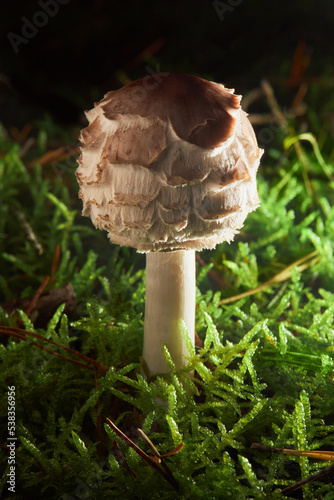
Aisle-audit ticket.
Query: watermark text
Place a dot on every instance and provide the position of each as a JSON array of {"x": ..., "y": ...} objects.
[
  {"x": 30, "y": 27},
  {"x": 11, "y": 439}
]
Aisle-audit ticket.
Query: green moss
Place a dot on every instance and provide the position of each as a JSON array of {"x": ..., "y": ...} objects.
[{"x": 264, "y": 373}]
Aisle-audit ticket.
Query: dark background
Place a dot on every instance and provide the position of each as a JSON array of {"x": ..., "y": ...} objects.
[{"x": 87, "y": 48}]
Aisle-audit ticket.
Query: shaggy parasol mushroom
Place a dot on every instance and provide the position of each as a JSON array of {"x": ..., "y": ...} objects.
[{"x": 168, "y": 166}]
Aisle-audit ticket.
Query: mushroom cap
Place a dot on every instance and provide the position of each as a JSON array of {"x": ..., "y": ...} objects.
[{"x": 169, "y": 162}]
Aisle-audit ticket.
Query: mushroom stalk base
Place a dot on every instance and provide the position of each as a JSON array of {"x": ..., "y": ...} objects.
[{"x": 170, "y": 297}]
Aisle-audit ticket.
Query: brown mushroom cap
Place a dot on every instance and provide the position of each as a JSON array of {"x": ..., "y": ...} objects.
[{"x": 169, "y": 163}]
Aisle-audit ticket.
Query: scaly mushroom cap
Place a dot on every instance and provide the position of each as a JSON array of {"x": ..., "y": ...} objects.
[{"x": 169, "y": 163}]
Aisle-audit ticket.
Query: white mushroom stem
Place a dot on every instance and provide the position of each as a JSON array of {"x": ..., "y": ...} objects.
[{"x": 170, "y": 297}]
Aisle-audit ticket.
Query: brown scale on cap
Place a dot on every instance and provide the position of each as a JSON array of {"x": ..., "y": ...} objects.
[
  {"x": 169, "y": 163},
  {"x": 206, "y": 116}
]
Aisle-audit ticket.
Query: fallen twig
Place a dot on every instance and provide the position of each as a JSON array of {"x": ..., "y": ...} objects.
[
  {"x": 318, "y": 454},
  {"x": 301, "y": 265},
  {"x": 37, "y": 296},
  {"x": 24, "y": 335},
  {"x": 156, "y": 461}
]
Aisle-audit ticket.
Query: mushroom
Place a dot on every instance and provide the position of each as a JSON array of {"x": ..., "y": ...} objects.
[{"x": 168, "y": 166}]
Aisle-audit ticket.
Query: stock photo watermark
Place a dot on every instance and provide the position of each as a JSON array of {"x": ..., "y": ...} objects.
[
  {"x": 31, "y": 27},
  {"x": 266, "y": 134},
  {"x": 223, "y": 8},
  {"x": 150, "y": 82},
  {"x": 11, "y": 439},
  {"x": 92, "y": 483}
]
